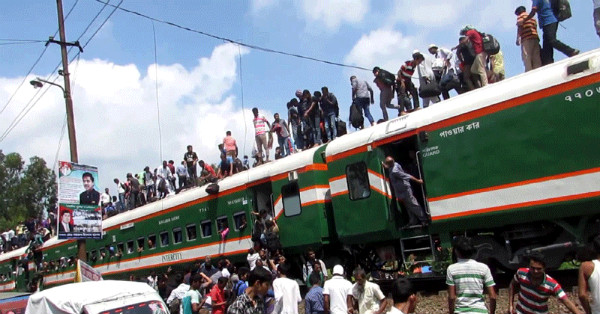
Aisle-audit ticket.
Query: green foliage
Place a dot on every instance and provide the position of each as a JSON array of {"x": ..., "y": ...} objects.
[{"x": 24, "y": 190}]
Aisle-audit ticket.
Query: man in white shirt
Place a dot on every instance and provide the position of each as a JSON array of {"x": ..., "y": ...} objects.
[
  {"x": 368, "y": 294},
  {"x": 286, "y": 291},
  {"x": 441, "y": 63},
  {"x": 337, "y": 292},
  {"x": 404, "y": 297},
  {"x": 178, "y": 292},
  {"x": 105, "y": 198}
]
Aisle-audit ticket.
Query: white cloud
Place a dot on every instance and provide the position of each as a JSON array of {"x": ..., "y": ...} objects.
[
  {"x": 116, "y": 114},
  {"x": 333, "y": 13},
  {"x": 256, "y": 6},
  {"x": 430, "y": 13},
  {"x": 385, "y": 48}
]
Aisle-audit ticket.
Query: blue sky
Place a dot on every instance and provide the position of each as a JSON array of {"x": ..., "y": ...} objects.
[{"x": 199, "y": 94}]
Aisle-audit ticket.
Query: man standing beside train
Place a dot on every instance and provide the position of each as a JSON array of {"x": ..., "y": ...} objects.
[
  {"x": 535, "y": 288},
  {"x": 466, "y": 280},
  {"x": 589, "y": 282},
  {"x": 400, "y": 181}
]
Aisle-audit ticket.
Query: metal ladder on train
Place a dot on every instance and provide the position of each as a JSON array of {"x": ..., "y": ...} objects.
[{"x": 420, "y": 246}]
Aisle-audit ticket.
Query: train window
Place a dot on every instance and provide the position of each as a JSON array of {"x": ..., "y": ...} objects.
[
  {"x": 222, "y": 224},
  {"x": 130, "y": 247},
  {"x": 164, "y": 238},
  {"x": 140, "y": 244},
  {"x": 177, "y": 235},
  {"x": 120, "y": 249},
  {"x": 190, "y": 231},
  {"x": 240, "y": 221},
  {"x": 94, "y": 256},
  {"x": 206, "y": 228},
  {"x": 151, "y": 241},
  {"x": 291, "y": 199},
  {"x": 357, "y": 179},
  {"x": 102, "y": 253}
]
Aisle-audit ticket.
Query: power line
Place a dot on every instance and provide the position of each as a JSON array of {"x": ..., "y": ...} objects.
[
  {"x": 255, "y": 47},
  {"x": 30, "y": 105},
  {"x": 34, "y": 64}
]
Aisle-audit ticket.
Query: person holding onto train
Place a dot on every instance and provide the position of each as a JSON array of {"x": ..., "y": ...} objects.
[
  {"x": 403, "y": 296},
  {"x": 535, "y": 288},
  {"x": 368, "y": 295},
  {"x": 466, "y": 280},
  {"x": 400, "y": 181},
  {"x": 589, "y": 281}
]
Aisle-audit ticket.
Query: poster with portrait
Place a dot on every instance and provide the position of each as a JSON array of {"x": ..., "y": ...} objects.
[{"x": 79, "y": 214}]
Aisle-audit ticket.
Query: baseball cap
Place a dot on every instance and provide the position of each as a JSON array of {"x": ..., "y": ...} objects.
[{"x": 338, "y": 270}]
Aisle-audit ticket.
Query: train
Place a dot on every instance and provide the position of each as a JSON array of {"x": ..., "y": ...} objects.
[{"x": 514, "y": 165}]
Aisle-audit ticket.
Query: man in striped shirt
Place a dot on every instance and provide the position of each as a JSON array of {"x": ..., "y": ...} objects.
[
  {"x": 535, "y": 288},
  {"x": 528, "y": 38},
  {"x": 466, "y": 280},
  {"x": 404, "y": 81}
]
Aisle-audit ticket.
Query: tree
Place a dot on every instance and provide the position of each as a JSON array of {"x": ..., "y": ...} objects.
[{"x": 25, "y": 191}]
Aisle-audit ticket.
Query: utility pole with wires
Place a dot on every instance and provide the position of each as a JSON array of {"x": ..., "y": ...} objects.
[{"x": 81, "y": 243}]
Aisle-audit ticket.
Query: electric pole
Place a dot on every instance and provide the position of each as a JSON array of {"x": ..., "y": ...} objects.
[{"x": 81, "y": 243}]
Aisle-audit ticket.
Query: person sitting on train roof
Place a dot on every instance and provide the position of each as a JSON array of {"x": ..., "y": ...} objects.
[
  {"x": 208, "y": 173},
  {"x": 400, "y": 181},
  {"x": 225, "y": 168}
]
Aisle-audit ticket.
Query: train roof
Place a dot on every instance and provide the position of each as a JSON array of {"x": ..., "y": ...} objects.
[
  {"x": 510, "y": 88},
  {"x": 283, "y": 165}
]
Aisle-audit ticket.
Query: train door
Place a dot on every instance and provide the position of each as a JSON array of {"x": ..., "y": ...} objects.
[
  {"x": 406, "y": 153},
  {"x": 262, "y": 199}
]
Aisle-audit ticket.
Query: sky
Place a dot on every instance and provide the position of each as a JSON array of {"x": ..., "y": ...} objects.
[{"x": 142, "y": 90}]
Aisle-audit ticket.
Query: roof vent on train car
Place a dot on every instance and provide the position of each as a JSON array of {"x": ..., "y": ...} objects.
[
  {"x": 293, "y": 175},
  {"x": 578, "y": 67}
]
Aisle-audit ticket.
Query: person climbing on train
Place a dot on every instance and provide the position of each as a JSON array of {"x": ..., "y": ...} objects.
[{"x": 400, "y": 181}]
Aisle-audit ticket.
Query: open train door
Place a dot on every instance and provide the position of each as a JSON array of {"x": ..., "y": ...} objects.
[
  {"x": 262, "y": 198},
  {"x": 406, "y": 152}
]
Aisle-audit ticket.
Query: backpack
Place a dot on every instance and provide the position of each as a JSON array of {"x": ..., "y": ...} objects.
[
  {"x": 356, "y": 117},
  {"x": 212, "y": 189},
  {"x": 387, "y": 78},
  {"x": 174, "y": 306},
  {"x": 491, "y": 46},
  {"x": 273, "y": 243},
  {"x": 561, "y": 9}
]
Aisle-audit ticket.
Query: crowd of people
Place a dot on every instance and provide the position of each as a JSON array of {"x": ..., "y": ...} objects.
[
  {"x": 266, "y": 285},
  {"x": 31, "y": 232}
]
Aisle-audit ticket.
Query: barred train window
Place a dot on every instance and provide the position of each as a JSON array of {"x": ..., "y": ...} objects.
[
  {"x": 177, "y": 235},
  {"x": 190, "y": 230},
  {"x": 164, "y": 238},
  {"x": 206, "y": 228},
  {"x": 240, "y": 221},
  {"x": 357, "y": 179},
  {"x": 290, "y": 194}
]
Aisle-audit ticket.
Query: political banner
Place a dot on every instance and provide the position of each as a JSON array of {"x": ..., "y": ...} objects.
[
  {"x": 80, "y": 214},
  {"x": 85, "y": 272}
]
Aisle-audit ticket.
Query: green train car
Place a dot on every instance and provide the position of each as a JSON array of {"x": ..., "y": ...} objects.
[{"x": 514, "y": 165}]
